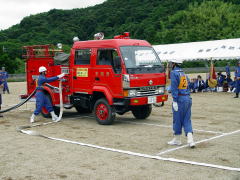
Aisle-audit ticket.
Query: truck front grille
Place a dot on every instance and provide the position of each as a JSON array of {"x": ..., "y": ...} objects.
[{"x": 148, "y": 91}]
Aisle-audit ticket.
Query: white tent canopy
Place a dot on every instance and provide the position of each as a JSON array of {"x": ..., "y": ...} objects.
[{"x": 205, "y": 50}]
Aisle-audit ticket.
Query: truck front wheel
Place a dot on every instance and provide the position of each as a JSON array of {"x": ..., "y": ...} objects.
[
  {"x": 104, "y": 113},
  {"x": 142, "y": 112}
]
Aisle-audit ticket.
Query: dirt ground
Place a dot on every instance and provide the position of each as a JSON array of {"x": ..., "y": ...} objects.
[{"x": 25, "y": 157}]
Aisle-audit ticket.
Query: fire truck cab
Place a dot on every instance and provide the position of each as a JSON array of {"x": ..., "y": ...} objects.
[{"x": 102, "y": 76}]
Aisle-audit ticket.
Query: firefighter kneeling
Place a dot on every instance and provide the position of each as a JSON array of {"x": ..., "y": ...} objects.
[{"x": 41, "y": 99}]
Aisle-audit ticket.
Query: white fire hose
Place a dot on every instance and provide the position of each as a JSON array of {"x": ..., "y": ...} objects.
[{"x": 61, "y": 101}]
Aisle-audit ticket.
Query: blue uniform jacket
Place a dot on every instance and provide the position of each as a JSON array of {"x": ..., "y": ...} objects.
[
  {"x": 5, "y": 75},
  {"x": 1, "y": 79},
  {"x": 237, "y": 75},
  {"x": 227, "y": 68},
  {"x": 237, "y": 72},
  {"x": 42, "y": 79},
  {"x": 220, "y": 80},
  {"x": 179, "y": 83}
]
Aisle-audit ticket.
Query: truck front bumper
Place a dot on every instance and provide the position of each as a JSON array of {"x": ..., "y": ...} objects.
[
  {"x": 138, "y": 101},
  {"x": 148, "y": 100}
]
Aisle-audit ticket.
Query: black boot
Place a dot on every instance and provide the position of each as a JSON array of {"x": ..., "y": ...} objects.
[
  {"x": 1, "y": 113},
  {"x": 237, "y": 94}
]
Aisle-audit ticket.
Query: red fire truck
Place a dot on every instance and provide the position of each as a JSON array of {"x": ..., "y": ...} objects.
[{"x": 102, "y": 76}]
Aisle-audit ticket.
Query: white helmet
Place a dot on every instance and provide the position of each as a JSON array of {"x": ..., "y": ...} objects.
[
  {"x": 42, "y": 69},
  {"x": 178, "y": 61}
]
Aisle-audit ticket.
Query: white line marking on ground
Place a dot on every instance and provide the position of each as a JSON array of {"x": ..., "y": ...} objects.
[
  {"x": 139, "y": 154},
  {"x": 29, "y": 132},
  {"x": 204, "y": 140},
  {"x": 148, "y": 124}
]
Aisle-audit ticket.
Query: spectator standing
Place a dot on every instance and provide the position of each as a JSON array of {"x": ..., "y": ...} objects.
[
  {"x": 227, "y": 68},
  {"x": 237, "y": 77},
  {"x": 1, "y": 90},
  {"x": 5, "y": 83}
]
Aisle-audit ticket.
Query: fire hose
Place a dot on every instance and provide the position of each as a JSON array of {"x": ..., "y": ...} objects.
[
  {"x": 31, "y": 95},
  {"x": 20, "y": 104},
  {"x": 61, "y": 101}
]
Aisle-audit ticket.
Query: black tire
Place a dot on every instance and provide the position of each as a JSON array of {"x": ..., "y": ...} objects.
[
  {"x": 47, "y": 114},
  {"x": 142, "y": 112},
  {"x": 103, "y": 112},
  {"x": 81, "y": 110}
]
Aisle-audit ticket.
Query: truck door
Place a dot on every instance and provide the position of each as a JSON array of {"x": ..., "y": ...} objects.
[
  {"x": 82, "y": 79},
  {"x": 105, "y": 74}
]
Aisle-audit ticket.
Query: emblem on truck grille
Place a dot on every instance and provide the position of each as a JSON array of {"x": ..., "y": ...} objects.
[{"x": 150, "y": 82}]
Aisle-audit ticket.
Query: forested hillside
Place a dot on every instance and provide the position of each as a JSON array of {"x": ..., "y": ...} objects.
[{"x": 158, "y": 21}]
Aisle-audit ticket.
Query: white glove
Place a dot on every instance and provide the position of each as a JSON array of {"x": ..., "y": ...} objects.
[
  {"x": 175, "y": 106},
  {"x": 61, "y": 75}
]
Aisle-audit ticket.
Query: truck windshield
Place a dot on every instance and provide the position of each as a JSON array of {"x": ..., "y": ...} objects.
[{"x": 141, "y": 59}]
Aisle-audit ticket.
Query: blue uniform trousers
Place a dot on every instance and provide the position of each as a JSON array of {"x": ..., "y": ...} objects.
[
  {"x": 182, "y": 117},
  {"x": 42, "y": 101},
  {"x": 5, "y": 87},
  {"x": 237, "y": 86}
]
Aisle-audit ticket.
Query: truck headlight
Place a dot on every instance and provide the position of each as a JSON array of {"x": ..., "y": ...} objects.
[
  {"x": 132, "y": 93},
  {"x": 161, "y": 90}
]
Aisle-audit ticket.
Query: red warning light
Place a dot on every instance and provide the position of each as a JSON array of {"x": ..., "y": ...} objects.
[{"x": 126, "y": 35}]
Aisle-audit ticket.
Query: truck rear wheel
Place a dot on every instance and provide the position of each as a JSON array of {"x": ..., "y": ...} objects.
[
  {"x": 104, "y": 113},
  {"x": 142, "y": 112}
]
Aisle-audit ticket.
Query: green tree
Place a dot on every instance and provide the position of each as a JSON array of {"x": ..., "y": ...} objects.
[{"x": 209, "y": 20}]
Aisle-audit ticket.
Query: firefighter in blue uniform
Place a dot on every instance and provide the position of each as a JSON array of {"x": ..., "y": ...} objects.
[
  {"x": 41, "y": 99},
  {"x": 227, "y": 68},
  {"x": 5, "y": 84},
  {"x": 181, "y": 106},
  {"x": 237, "y": 77},
  {"x": 1, "y": 90}
]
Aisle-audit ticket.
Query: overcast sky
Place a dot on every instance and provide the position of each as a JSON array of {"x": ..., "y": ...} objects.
[{"x": 13, "y": 11}]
